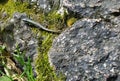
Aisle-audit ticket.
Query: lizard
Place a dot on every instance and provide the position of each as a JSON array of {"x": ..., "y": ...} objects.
[{"x": 38, "y": 25}]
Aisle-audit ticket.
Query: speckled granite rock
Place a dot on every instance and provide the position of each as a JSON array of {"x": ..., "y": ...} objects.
[
  {"x": 89, "y": 51},
  {"x": 39, "y": 4},
  {"x": 22, "y": 35},
  {"x": 107, "y": 10},
  {"x": 16, "y": 32},
  {"x": 93, "y": 8},
  {"x": 42, "y": 4}
]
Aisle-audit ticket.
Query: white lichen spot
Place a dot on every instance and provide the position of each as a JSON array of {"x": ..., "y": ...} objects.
[{"x": 105, "y": 65}]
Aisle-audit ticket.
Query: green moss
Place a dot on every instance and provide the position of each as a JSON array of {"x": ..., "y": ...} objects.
[
  {"x": 55, "y": 22},
  {"x": 11, "y": 7},
  {"x": 71, "y": 21},
  {"x": 45, "y": 72}
]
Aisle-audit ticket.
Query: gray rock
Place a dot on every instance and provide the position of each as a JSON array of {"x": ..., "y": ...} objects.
[
  {"x": 116, "y": 20},
  {"x": 39, "y": 4},
  {"x": 22, "y": 35},
  {"x": 16, "y": 32},
  {"x": 88, "y": 51},
  {"x": 93, "y": 8},
  {"x": 42, "y": 4}
]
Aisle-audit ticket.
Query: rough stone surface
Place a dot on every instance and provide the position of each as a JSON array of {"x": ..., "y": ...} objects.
[
  {"x": 42, "y": 4},
  {"x": 22, "y": 35},
  {"x": 107, "y": 10},
  {"x": 89, "y": 51},
  {"x": 93, "y": 8},
  {"x": 39, "y": 4},
  {"x": 16, "y": 32}
]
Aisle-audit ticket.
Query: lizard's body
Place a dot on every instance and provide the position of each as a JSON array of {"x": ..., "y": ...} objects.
[{"x": 38, "y": 25}]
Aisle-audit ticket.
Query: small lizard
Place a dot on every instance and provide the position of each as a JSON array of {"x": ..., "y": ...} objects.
[{"x": 39, "y": 25}]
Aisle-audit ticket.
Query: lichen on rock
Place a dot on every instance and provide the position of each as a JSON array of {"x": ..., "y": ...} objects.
[
  {"x": 89, "y": 51},
  {"x": 17, "y": 34}
]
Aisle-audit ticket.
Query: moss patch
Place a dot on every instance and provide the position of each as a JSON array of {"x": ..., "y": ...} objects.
[
  {"x": 71, "y": 21},
  {"x": 10, "y": 7},
  {"x": 45, "y": 72}
]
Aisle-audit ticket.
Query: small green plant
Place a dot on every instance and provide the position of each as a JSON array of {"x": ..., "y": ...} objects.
[
  {"x": 26, "y": 75},
  {"x": 3, "y": 76},
  {"x": 2, "y": 47},
  {"x": 27, "y": 71}
]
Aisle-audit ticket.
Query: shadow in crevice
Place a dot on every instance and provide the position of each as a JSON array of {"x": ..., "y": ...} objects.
[
  {"x": 3, "y": 1},
  {"x": 112, "y": 78},
  {"x": 7, "y": 37},
  {"x": 116, "y": 13}
]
